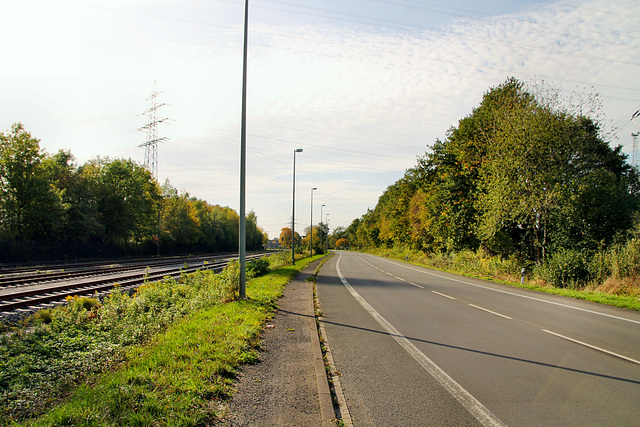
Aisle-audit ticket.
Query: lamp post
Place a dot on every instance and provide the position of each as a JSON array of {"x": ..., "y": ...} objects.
[
  {"x": 311, "y": 231},
  {"x": 326, "y": 221},
  {"x": 293, "y": 211},
  {"x": 242, "y": 238},
  {"x": 321, "y": 230}
]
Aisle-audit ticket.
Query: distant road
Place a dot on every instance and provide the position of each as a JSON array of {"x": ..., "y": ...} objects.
[{"x": 420, "y": 347}]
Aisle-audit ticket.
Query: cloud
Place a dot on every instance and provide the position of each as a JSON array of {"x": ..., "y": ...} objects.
[{"x": 361, "y": 101}]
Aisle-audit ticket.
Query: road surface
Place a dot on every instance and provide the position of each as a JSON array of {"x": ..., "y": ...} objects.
[{"x": 415, "y": 346}]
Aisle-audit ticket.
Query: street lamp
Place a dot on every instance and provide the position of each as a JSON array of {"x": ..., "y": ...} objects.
[
  {"x": 242, "y": 230},
  {"x": 311, "y": 231},
  {"x": 321, "y": 231},
  {"x": 293, "y": 211},
  {"x": 326, "y": 221}
]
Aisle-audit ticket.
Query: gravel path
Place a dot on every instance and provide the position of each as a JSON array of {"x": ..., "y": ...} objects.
[{"x": 283, "y": 387}]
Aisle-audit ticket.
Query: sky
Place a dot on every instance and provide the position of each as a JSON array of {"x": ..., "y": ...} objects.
[{"x": 364, "y": 87}]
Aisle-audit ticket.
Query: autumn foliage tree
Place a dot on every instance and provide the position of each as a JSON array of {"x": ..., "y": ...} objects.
[
  {"x": 285, "y": 238},
  {"x": 342, "y": 243}
]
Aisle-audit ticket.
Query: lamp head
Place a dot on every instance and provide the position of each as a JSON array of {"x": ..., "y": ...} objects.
[{"x": 298, "y": 150}]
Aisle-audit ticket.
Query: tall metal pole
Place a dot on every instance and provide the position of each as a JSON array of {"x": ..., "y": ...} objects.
[
  {"x": 326, "y": 221},
  {"x": 321, "y": 231},
  {"x": 311, "y": 230},
  {"x": 243, "y": 159},
  {"x": 293, "y": 210}
]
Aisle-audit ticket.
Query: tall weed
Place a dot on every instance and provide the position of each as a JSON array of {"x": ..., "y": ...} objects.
[
  {"x": 564, "y": 267},
  {"x": 67, "y": 344},
  {"x": 478, "y": 263}
]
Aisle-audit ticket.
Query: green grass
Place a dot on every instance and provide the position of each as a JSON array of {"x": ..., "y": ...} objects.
[{"x": 179, "y": 376}]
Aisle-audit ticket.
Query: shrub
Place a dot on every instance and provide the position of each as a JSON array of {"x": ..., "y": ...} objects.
[
  {"x": 258, "y": 267},
  {"x": 625, "y": 259},
  {"x": 564, "y": 267},
  {"x": 42, "y": 316}
]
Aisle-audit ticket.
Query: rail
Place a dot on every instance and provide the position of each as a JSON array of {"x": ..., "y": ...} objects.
[{"x": 32, "y": 291}]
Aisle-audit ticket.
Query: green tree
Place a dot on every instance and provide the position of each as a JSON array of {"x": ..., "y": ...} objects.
[
  {"x": 180, "y": 222},
  {"x": 210, "y": 230},
  {"x": 543, "y": 167},
  {"x": 128, "y": 201},
  {"x": 31, "y": 208},
  {"x": 254, "y": 234},
  {"x": 522, "y": 174}
]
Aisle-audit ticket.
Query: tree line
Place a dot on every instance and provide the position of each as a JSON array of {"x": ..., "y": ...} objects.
[
  {"x": 103, "y": 202},
  {"x": 523, "y": 175},
  {"x": 317, "y": 237}
]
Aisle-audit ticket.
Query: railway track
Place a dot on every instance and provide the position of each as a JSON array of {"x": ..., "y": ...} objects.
[{"x": 28, "y": 291}]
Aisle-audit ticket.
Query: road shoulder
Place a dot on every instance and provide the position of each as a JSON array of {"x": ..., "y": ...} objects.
[{"x": 286, "y": 386}]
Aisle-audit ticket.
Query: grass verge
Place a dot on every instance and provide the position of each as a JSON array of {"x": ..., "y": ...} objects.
[
  {"x": 181, "y": 376},
  {"x": 505, "y": 272}
]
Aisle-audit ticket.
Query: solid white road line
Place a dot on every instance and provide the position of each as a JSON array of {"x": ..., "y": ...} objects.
[
  {"x": 594, "y": 347},
  {"x": 470, "y": 403}
]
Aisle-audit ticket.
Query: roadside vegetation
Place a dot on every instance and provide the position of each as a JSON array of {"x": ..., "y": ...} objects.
[
  {"x": 50, "y": 206},
  {"x": 528, "y": 179},
  {"x": 166, "y": 355},
  {"x": 623, "y": 293}
]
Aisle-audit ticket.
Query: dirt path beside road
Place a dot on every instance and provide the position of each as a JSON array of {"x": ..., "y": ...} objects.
[{"x": 284, "y": 387}]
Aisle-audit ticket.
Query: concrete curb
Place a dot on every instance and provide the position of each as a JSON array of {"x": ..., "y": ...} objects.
[
  {"x": 324, "y": 392},
  {"x": 344, "y": 415},
  {"x": 342, "y": 411}
]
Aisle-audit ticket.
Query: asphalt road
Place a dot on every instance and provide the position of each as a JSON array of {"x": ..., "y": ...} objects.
[{"x": 419, "y": 347}]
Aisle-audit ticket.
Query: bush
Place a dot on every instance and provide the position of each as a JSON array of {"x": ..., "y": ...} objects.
[
  {"x": 564, "y": 267},
  {"x": 625, "y": 260},
  {"x": 258, "y": 267},
  {"x": 279, "y": 260},
  {"x": 69, "y": 343}
]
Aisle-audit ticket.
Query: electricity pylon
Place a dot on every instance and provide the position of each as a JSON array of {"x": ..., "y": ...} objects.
[{"x": 151, "y": 128}]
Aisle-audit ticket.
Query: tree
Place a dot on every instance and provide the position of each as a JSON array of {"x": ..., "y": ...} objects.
[
  {"x": 522, "y": 174},
  {"x": 30, "y": 207},
  {"x": 210, "y": 232},
  {"x": 180, "y": 222},
  {"x": 285, "y": 238},
  {"x": 318, "y": 244},
  {"x": 338, "y": 233},
  {"x": 77, "y": 186},
  {"x": 128, "y": 201},
  {"x": 342, "y": 243},
  {"x": 543, "y": 166},
  {"x": 255, "y": 235}
]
